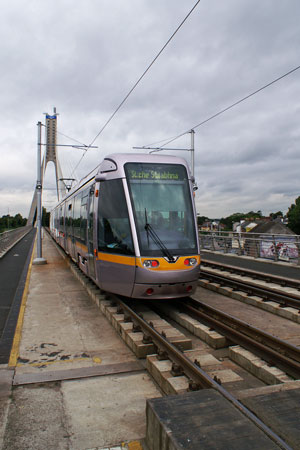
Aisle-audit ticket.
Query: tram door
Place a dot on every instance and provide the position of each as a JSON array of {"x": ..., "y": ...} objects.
[{"x": 90, "y": 226}]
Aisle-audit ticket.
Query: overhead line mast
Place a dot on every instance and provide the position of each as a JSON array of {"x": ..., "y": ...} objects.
[{"x": 191, "y": 149}]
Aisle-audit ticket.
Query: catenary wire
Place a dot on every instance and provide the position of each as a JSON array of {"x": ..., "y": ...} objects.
[
  {"x": 173, "y": 138},
  {"x": 136, "y": 83},
  {"x": 144, "y": 73}
]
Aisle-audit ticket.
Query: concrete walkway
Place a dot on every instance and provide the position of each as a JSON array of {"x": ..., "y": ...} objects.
[{"x": 64, "y": 335}]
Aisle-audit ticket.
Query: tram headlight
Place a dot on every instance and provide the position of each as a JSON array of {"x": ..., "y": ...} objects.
[
  {"x": 190, "y": 261},
  {"x": 150, "y": 263}
]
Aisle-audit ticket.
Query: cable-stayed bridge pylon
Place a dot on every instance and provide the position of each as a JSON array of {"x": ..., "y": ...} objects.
[{"x": 49, "y": 156}]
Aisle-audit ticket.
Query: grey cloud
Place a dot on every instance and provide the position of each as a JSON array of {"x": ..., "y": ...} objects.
[{"x": 84, "y": 57}]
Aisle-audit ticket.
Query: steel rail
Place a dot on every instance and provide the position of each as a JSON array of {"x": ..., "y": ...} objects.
[
  {"x": 284, "y": 282},
  {"x": 250, "y": 288},
  {"x": 194, "y": 372},
  {"x": 274, "y": 350}
]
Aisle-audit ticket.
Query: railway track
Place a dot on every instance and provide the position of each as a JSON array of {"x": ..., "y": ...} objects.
[
  {"x": 281, "y": 281},
  {"x": 127, "y": 321},
  {"x": 284, "y": 291},
  {"x": 162, "y": 349},
  {"x": 289, "y": 357},
  {"x": 273, "y": 350}
]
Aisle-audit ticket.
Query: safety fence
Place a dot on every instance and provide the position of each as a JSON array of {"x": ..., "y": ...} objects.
[
  {"x": 9, "y": 238},
  {"x": 276, "y": 247}
]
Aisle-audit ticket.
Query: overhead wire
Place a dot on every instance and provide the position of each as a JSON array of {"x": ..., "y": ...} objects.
[
  {"x": 144, "y": 73},
  {"x": 174, "y": 138},
  {"x": 137, "y": 82}
]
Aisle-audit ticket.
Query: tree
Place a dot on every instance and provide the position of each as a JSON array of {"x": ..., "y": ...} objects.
[
  {"x": 8, "y": 222},
  {"x": 293, "y": 216},
  {"x": 275, "y": 215},
  {"x": 201, "y": 219},
  {"x": 45, "y": 217},
  {"x": 18, "y": 221},
  {"x": 237, "y": 217}
]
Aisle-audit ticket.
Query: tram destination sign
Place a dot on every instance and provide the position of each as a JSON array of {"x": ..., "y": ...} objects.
[{"x": 155, "y": 172}]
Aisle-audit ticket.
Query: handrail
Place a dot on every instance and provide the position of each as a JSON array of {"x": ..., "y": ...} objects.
[{"x": 277, "y": 247}]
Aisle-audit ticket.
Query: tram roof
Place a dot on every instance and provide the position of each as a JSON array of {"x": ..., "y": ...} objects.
[
  {"x": 120, "y": 159},
  {"x": 113, "y": 165}
]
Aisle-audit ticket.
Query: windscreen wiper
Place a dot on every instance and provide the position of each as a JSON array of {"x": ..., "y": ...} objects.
[{"x": 158, "y": 242}]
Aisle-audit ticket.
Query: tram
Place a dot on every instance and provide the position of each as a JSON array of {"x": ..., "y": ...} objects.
[{"x": 131, "y": 226}]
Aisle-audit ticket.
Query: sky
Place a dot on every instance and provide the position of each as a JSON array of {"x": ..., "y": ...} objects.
[{"x": 83, "y": 58}]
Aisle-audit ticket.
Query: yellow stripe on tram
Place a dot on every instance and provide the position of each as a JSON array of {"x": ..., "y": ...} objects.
[{"x": 118, "y": 259}]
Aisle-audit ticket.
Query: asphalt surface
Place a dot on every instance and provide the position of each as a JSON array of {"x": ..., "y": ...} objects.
[
  {"x": 274, "y": 268},
  {"x": 13, "y": 271}
]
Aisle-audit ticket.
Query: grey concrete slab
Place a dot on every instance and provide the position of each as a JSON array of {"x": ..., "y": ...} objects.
[
  {"x": 62, "y": 326},
  {"x": 36, "y": 420},
  {"x": 106, "y": 410},
  {"x": 77, "y": 374},
  {"x": 6, "y": 377}
]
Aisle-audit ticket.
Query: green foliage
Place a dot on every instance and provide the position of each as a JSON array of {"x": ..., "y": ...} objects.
[
  {"x": 275, "y": 215},
  {"x": 293, "y": 216},
  {"x": 201, "y": 219},
  {"x": 8, "y": 222},
  {"x": 45, "y": 218},
  {"x": 236, "y": 217}
]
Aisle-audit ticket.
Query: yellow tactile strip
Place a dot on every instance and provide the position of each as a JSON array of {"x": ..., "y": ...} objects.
[{"x": 133, "y": 445}]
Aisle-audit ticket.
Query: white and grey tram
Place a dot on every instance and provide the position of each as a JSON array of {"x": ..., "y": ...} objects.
[{"x": 131, "y": 226}]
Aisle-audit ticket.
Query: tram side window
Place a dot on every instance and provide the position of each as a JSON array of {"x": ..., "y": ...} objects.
[
  {"x": 114, "y": 234},
  {"x": 91, "y": 215},
  {"x": 61, "y": 219},
  {"x": 69, "y": 218},
  {"x": 54, "y": 219},
  {"x": 57, "y": 219},
  {"x": 76, "y": 216},
  {"x": 83, "y": 217}
]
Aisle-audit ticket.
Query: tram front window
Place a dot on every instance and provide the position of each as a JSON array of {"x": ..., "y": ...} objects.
[{"x": 161, "y": 198}]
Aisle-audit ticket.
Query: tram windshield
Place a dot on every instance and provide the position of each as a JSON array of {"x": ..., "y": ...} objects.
[{"x": 161, "y": 200}]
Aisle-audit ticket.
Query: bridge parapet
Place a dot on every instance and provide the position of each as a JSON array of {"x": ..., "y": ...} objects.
[{"x": 276, "y": 247}]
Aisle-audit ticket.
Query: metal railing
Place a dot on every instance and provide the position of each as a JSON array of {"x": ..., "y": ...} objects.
[
  {"x": 276, "y": 247},
  {"x": 9, "y": 238}
]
